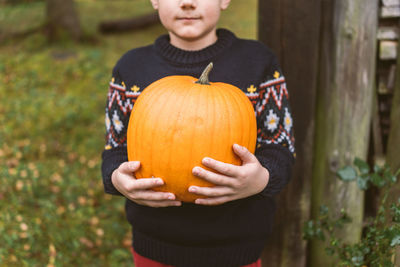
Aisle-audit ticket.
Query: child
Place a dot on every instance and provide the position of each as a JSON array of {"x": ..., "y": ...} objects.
[{"x": 231, "y": 225}]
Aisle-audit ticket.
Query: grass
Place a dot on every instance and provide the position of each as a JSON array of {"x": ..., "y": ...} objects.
[{"x": 53, "y": 211}]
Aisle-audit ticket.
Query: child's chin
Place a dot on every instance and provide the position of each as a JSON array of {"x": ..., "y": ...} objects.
[{"x": 189, "y": 35}]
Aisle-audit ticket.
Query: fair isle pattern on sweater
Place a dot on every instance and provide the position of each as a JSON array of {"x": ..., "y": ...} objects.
[
  {"x": 267, "y": 99},
  {"x": 120, "y": 101}
]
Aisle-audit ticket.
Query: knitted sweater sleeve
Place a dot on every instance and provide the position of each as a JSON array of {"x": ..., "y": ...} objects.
[
  {"x": 275, "y": 140},
  {"x": 117, "y": 111}
]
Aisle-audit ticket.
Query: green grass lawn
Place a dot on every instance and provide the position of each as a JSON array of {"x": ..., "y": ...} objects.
[{"x": 53, "y": 211}]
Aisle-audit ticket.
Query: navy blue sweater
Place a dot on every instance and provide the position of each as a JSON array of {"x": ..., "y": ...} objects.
[{"x": 231, "y": 234}]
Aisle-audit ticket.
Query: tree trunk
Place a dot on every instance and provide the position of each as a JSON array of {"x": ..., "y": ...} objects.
[
  {"x": 393, "y": 154},
  {"x": 344, "y": 104},
  {"x": 131, "y": 24},
  {"x": 63, "y": 20},
  {"x": 291, "y": 30}
]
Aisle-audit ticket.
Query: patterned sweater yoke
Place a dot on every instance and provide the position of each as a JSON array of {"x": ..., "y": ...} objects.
[{"x": 233, "y": 233}]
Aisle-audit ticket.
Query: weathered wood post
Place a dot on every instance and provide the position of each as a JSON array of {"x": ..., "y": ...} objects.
[
  {"x": 291, "y": 30},
  {"x": 393, "y": 154},
  {"x": 343, "y": 114}
]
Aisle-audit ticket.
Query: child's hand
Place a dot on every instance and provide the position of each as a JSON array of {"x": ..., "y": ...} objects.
[
  {"x": 231, "y": 182},
  {"x": 139, "y": 190}
]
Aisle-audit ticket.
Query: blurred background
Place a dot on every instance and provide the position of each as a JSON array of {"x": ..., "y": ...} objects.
[
  {"x": 53, "y": 89},
  {"x": 340, "y": 59}
]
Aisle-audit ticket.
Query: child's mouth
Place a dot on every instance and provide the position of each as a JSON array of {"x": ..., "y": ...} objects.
[{"x": 188, "y": 18}]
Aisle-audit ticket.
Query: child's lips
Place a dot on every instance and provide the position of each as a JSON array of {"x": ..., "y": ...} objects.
[{"x": 188, "y": 18}]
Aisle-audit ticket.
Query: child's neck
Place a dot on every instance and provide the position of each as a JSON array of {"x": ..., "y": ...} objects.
[{"x": 193, "y": 44}]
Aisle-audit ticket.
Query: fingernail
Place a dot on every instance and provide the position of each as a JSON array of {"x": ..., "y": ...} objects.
[
  {"x": 171, "y": 196},
  {"x": 159, "y": 182},
  {"x": 134, "y": 164},
  {"x": 240, "y": 147},
  {"x": 178, "y": 203},
  {"x": 192, "y": 189},
  {"x": 206, "y": 160},
  {"x": 196, "y": 170}
]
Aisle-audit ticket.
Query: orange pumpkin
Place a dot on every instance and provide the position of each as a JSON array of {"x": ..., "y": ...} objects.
[{"x": 177, "y": 121}]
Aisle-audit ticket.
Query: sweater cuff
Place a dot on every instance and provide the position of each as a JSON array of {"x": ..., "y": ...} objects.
[
  {"x": 112, "y": 158},
  {"x": 278, "y": 160}
]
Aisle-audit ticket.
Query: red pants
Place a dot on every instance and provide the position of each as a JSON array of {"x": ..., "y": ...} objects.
[{"x": 141, "y": 261}]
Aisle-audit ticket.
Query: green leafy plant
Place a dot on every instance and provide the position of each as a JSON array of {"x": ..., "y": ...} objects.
[{"x": 382, "y": 232}]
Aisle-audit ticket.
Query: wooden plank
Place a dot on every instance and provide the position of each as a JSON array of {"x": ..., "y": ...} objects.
[
  {"x": 391, "y": 78},
  {"x": 390, "y": 12},
  {"x": 390, "y": 2},
  {"x": 291, "y": 29},
  {"x": 344, "y": 104},
  {"x": 386, "y": 80},
  {"x": 388, "y": 33},
  {"x": 387, "y": 50}
]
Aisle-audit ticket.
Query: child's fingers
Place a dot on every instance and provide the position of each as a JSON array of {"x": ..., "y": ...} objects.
[
  {"x": 160, "y": 204},
  {"x": 213, "y": 177},
  {"x": 129, "y": 166},
  {"x": 221, "y": 167},
  {"x": 216, "y": 191},
  {"x": 245, "y": 155},
  {"x": 213, "y": 201},
  {"x": 145, "y": 183},
  {"x": 152, "y": 195}
]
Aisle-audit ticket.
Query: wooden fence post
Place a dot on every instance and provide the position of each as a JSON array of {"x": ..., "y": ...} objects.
[
  {"x": 343, "y": 115},
  {"x": 291, "y": 30},
  {"x": 393, "y": 154}
]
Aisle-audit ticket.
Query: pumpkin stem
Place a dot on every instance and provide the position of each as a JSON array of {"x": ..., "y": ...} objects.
[{"x": 204, "y": 76}]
